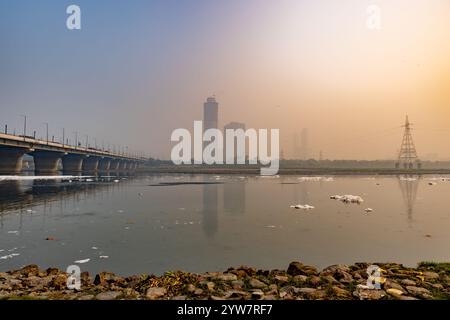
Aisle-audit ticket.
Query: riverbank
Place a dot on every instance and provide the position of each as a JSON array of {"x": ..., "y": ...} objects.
[{"x": 299, "y": 282}]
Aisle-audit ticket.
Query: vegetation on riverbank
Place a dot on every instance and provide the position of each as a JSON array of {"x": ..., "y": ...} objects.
[{"x": 299, "y": 282}]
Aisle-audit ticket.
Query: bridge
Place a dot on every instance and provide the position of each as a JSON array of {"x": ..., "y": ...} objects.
[{"x": 49, "y": 155}]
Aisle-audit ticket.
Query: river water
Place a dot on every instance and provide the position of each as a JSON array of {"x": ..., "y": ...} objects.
[{"x": 152, "y": 224}]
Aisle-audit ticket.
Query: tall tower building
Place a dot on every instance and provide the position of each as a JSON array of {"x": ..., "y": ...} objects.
[{"x": 210, "y": 114}]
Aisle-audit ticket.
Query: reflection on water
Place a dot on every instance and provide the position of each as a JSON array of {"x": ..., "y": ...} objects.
[
  {"x": 408, "y": 185},
  {"x": 199, "y": 223}
]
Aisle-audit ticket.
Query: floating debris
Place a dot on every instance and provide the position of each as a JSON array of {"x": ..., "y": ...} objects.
[
  {"x": 368, "y": 210},
  {"x": 13, "y": 232},
  {"x": 302, "y": 207},
  {"x": 348, "y": 198},
  {"x": 315, "y": 179},
  {"x": 271, "y": 227},
  {"x": 104, "y": 257},
  {"x": 10, "y": 256},
  {"x": 82, "y": 261},
  {"x": 432, "y": 183},
  {"x": 94, "y": 248},
  {"x": 50, "y": 239},
  {"x": 116, "y": 181}
]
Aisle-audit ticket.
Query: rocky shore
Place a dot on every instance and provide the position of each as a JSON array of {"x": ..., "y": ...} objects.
[{"x": 298, "y": 282}]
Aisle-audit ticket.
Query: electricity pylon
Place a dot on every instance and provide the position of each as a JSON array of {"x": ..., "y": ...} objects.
[{"x": 408, "y": 154}]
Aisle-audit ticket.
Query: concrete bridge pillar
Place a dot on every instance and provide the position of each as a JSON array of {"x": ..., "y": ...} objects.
[
  {"x": 11, "y": 160},
  {"x": 73, "y": 163},
  {"x": 123, "y": 165},
  {"x": 90, "y": 164},
  {"x": 46, "y": 162},
  {"x": 104, "y": 164},
  {"x": 114, "y": 165}
]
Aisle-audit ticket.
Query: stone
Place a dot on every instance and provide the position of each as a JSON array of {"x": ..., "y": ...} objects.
[
  {"x": 431, "y": 275},
  {"x": 390, "y": 284},
  {"x": 315, "y": 281},
  {"x": 408, "y": 282},
  {"x": 198, "y": 292},
  {"x": 85, "y": 278},
  {"x": 300, "y": 278},
  {"x": 190, "y": 288},
  {"x": 297, "y": 268},
  {"x": 281, "y": 279},
  {"x": 156, "y": 293},
  {"x": 86, "y": 297},
  {"x": 31, "y": 270},
  {"x": 227, "y": 277},
  {"x": 406, "y": 298},
  {"x": 238, "y": 284},
  {"x": 52, "y": 271},
  {"x": 179, "y": 298},
  {"x": 330, "y": 279},
  {"x": 341, "y": 293},
  {"x": 210, "y": 286},
  {"x": 417, "y": 291},
  {"x": 108, "y": 295},
  {"x": 394, "y": 292},
  {"x": 437, "y": 286},
  {"x": 255, "y": 283},
  {"x": 59, "y": 282},
  {"x": 369, "y": 294},
  {"x": 257, "y": 294}
]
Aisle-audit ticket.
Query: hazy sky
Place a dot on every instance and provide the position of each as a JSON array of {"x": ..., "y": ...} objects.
[{"x": 139, "y": 69}]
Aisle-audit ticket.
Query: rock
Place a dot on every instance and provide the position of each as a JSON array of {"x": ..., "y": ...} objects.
[
  {"x": 341, "y": 273},
  {"x": 52, "y": 271},
  {"x": 394, "y": 292},
  {"x": 390, "y": 284},
  {"x": 156, "y": 293},
  {"x": 37, "y": 283},
  {"x": 238, "y": 284},
  {"x": 198, "y": 292},
  {"x": 315, "y": 281},
  {"x": 257, "y": 294},
  {"x": 59, "y": 281},
  {"x": 431, "y": 275},
  {"x": 341, "y": 293},
  {"x": 31, "y": 270},
  {"x": 190, "y": 288},
  {"x": 306, "y": 291},
  {"x": 257, "y": 284},
  {"x": 85, "y": 278},
  {"x": 336, "y": 268},
  {"x": 179, "y": 298},
  {"x": 281, "y": 279},
  {"x": 300, "y": 278},
  {"x": 210, "y": 286},
  {"x": 408, "y": 282},
  {"x": 297, "y": 268},
  {"x": 437, "y": 286},
  {"x": 418, "y": 291},
  {"x": 227, "y": 277},
  {"x": 107, "y": 278},
  {"x": 330, "y": 279},
  {"x": 86, "y": 297},
  {"x": 237, "y": 294},
  {"x": 108, "y": 295},
  {"x": 368, "y": 294},
  {"x": 406, "y": 298}
]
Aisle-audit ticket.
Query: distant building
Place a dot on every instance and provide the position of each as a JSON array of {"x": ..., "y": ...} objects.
[
  {"x": 210, "y": 114},
  {"x": 304, "y": 154},
  {"x": 233, "y": 126}
]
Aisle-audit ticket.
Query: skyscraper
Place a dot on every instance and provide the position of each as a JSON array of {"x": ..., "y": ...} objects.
[{"x": 210, "y": 114}]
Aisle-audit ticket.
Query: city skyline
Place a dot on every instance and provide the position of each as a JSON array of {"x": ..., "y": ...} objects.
[{"x": 136, "y": 72}]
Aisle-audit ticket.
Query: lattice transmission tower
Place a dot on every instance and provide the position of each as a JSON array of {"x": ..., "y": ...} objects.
[{"x": 407, "y": 156}]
